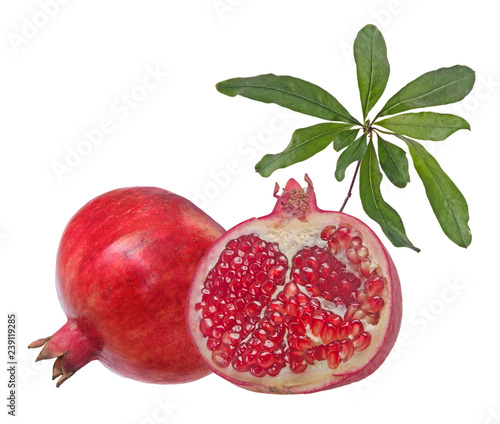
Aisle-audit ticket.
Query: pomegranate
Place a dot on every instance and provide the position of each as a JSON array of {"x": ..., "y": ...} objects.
[
  {"x": 297, "y": 301},
  {"x": 123, "y": 270}
]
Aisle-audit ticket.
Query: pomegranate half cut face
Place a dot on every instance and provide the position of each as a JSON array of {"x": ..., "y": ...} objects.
[{"x": 297, "y": 301}]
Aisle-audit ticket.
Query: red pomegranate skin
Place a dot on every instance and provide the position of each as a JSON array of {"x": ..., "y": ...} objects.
[{"x": 124, "y": 266}]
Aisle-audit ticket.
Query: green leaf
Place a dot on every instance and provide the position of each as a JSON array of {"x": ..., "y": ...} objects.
[
  {"x": 425, "y": 125},
  {"x": 356, "y": 151},
  {"x": 375, "y": 206},
  {"x": 344, "y": 138},
  {"x": 292, "y": 93},
  {"x": 372, "y": 66},
  {"x": 306, "y": 142},
  {"x": 394, "y": 162},
  {"x": 440, "y": 87},
  {"x": 447, "y": 202}
]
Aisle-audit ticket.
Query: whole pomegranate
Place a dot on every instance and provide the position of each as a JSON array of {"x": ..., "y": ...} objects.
[
  {"x": 297, "y": 301},
  {"x": 124, "y": 266}
]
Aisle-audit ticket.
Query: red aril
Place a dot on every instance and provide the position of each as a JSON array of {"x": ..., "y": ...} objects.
[
  {"x": 124, "y": 265},
  {"x": 297, "y": 301}
]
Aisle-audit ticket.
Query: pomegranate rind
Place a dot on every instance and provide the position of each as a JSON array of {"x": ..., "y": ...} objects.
[
  {"x": 293, "y": 232},
  {"x": 123, "y": 270}
]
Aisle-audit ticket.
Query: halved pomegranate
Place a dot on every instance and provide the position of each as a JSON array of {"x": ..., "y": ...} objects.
[{"x": 297, "y": 301}]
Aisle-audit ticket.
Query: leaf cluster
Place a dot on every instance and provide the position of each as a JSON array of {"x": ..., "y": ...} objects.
[{"x": 365, "y": 141}]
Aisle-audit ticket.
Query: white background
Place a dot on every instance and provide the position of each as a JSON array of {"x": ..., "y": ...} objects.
[{"x": 68, "y": 68}]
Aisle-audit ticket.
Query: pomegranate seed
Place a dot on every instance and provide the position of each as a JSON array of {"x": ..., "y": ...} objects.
[
  {"x": 231, "y": 338},
  {"x": 250, "y": 356},
  {"x": 296, "y": 328},
  {"x": 254, "y": 289},
  {"x": 268, "y": 287},
  {"x": 277, "y": 272},
  {"x": 373, "y": 304},
  {"x": 335, "y": 319},
  {"x": 276, "y": 318},
  {"x": 310, "y": 355},
  {"x": 344, "y": 329},
  {"x": 252, "y": 308},
  {"x": 274, "y": 370},
  {"x": 275, "y": 336},
  {"x": 291, "y": 308},
  {"x": 267, "y": 264},
  {"x": 242, "y": 248},
  {"x": 318, "y": 323},
  {"x": 290, "y": 290},
  {"x": 324, "y": 270},
  {"x": 227, "y": 255},
  {"x": 304, "y": 343},
  {"x": 228, "y": 321},
  {"x": 261, "y": 276},
  {"x": 346, "y": 349},
  {"x": 345, "y": 287},
  {"x": 277, "y": 306},
  {"x": 355, "y": 243},
  {"x": 325, "y": 294},
  {"x": 297, "y": 367},
  {"x": 282, "y": 260},
  {"x": 333, "y": 359},
  {"x": 312, "y": 262},
  {"x": 218, "y": 331},
  {"x": 313, "y": 289},
  {"x": 373, "y": 319},
  {"x": 321, "y": 352},
  {"x": 363, "y": 252},
  {"x": 353, "y": 257},
  {"x": 365, "y": 267},
  {"x": 359, "y": 314},
  {"x": 361, "y": 296},
  {"x": 329, "y": 333},
  {"x": 342, "y": 236},
  {"x": 258, "y": 246},
  {"x": 268, "y": 344},
  {"x": 361, "y": 341},
  {"x": 248, "y": 259},
  {"x": 375, "y": 286},
  {"x": 308, "y": 276},
  {"x": 261, "y": 334},
  {"x": 257, "y": 371},
  {"x": 213, "y": 343},
  {"x": 254, "y": 342},
  {"x": 239, "y": 364},
  {"x": 356, "y": 327},
  {"x": 265, "y": 359},
  {"x": 333, "y": 246},
  {"x": 236, "y": 263},
  {"x": 220, "y": 358},
  {"x": 328, "y": 232},
  {"x": 298, "y": 261}
]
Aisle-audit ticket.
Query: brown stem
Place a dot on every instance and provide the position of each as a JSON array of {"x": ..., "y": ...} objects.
[{"x": 349, "y": 194}]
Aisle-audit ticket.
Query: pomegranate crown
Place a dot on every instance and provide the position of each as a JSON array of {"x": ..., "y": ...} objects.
[{"x": 296, "y": 201}]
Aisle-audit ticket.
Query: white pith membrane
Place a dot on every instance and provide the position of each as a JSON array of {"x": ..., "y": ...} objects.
[{"x": 303, "y": 357}]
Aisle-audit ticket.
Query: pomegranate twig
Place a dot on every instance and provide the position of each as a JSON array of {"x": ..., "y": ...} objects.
[{"x": 349, "y": 194}]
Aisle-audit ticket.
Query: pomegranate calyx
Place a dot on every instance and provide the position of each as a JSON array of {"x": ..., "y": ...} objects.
[
  {"x": 295, "y": 201},
  {"x": 71, "y": 348}
]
